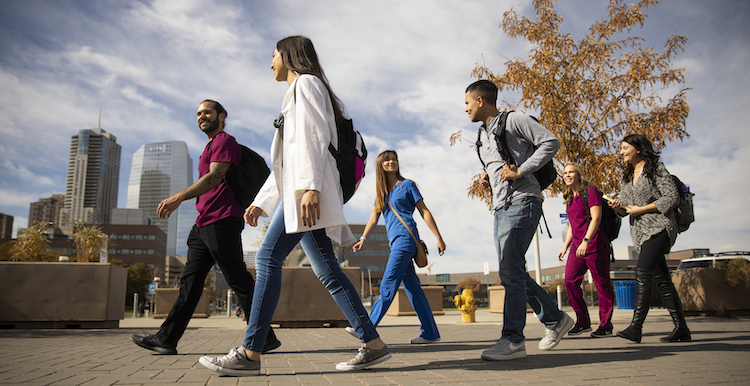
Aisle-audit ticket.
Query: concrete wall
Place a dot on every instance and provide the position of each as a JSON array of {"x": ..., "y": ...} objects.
[{"x": 61, "y": 295}]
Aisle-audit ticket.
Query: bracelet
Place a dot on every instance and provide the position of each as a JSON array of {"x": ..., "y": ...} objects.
[{"x": 363, "y": 238}]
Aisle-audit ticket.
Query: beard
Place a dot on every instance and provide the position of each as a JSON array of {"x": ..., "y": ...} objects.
[{"x": 213, "y": 126}]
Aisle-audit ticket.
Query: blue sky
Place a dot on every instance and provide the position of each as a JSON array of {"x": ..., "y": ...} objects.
[{"x": 400, "y": 67}]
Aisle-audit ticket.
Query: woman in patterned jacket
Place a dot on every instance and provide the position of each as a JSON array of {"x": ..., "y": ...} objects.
[{"x": 649, "y": 196}]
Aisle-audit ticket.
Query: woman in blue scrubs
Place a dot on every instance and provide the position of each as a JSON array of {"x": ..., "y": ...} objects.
[{"x": 403, "y": 196}]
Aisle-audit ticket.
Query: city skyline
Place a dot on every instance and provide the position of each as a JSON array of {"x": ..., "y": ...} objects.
[{"x": 401, "y": 73}]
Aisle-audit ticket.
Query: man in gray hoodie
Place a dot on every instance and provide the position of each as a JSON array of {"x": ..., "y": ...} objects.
[{"x": 517, "y": 199}]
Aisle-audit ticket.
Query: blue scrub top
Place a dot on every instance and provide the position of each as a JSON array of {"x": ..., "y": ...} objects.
[{"x": 404, "y": 198}]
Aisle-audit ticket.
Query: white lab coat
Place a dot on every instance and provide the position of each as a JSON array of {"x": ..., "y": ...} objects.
[{"x": 309, "y": 126}]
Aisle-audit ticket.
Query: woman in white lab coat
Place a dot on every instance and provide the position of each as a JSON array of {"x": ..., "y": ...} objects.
[{"x": 305, "y": 183}]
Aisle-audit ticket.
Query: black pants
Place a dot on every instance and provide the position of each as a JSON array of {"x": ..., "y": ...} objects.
[
  {"x": 652, "y": 254},
  {"x": 219, "y": 242}
]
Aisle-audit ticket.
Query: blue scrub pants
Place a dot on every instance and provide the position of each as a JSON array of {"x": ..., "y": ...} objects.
[{"x": 401, "y": 269}]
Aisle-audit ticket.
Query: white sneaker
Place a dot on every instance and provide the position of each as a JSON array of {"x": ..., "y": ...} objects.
[
  {"x": 351, "y": 332},
  {"x": 505, "y": 350},
  {"x": 234, "y": 363},
  {"x": 553, "y": 336},
  {"x": 421, "y": 340}
]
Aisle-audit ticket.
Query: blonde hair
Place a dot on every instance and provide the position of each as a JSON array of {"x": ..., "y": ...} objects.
[
  {"x": 381, "y": 184},
  {"x": 583, "y": 184}
]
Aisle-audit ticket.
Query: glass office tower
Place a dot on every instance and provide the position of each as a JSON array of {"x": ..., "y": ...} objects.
[{"x": 159, "y": 170}]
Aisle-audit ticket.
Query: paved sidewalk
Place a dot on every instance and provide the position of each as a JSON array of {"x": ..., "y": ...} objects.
[{"x": 719, "y": 353}]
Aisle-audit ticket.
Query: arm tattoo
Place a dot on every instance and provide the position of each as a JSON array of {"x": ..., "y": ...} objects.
[{"x": 210, "y": 180}]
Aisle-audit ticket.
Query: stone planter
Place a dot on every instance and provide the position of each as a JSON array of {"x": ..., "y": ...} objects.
[
  {"x": 61, "y": 295},
  {"x": 704, "y": 290},
  {"x": 165, "y": 298},
  {"x": 305, "y": 302},
  {"x": 402, "y": 307},
  {"x": 497, "y": 299}
]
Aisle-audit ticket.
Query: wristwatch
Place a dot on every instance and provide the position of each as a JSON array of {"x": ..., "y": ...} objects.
[{"x": 586, "y": 239}]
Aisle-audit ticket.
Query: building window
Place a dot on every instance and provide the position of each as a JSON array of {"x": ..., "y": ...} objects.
[
  {"x": 445, "y": 277},
  {"x": 546, "y": 277}
]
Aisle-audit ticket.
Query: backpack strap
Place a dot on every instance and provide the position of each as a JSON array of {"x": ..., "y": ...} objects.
[
  {"x": 585, "y": 197},
  {"x": 403, "y": 222}
]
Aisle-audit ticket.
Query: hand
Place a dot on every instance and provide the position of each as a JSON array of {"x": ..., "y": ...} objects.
[
  {"x": 561, "y": 254},
  {"x": 168, "y": 205},
  {"x": 485, "y": 179},
  {"x": 581, "y": 251},
  {"x": 615, "y": 203},
  {"x": 634, "y": 211},
  {"x": 510, "y": 173},
  {"x": 441, "y": 247},
  {"x": 310, "y": 208},
  {"x": 251, "y": 215},
  {"x": 358, "y": 246}
]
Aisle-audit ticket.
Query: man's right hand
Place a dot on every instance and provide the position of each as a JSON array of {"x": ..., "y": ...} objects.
[
  {"x": 485, "y": 180},
  {"x": 168, "y": 205}
]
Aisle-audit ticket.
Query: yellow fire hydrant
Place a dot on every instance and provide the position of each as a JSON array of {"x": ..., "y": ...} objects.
[{"x": 465, "y": 302}]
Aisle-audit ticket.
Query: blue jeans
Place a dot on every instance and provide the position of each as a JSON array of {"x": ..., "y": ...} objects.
[
  {"x": 401, "y": 269},
  {"x": 275, "y": 247},
  {"x": 514, "y": 230}
]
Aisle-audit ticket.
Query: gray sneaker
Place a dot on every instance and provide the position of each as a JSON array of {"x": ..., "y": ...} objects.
[
  {"x": 553, "y": 336},
  {"x": 365, "y": 358},
  {"x": 235, "y": 363},
  {"x": 505, "y": 350}
]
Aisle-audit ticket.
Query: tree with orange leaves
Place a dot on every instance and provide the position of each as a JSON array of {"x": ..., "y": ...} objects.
[{"x": 591, "y": 93}]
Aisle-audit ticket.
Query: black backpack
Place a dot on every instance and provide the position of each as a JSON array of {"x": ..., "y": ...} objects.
[
  {"x": 351, "y": 157},
  {"x": 545, "y": 175},
  {"x": 248, "y": 176},
  {"x": 610, "y": 223},
  {"x": 684, "y": 210}
]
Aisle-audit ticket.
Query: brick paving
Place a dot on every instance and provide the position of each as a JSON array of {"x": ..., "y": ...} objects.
[{"x": 718, "y": 354}]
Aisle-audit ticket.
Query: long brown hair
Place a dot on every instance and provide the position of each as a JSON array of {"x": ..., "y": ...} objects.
[
  {"x": 298, "y": 54},
  {"x": 583, "y": 184},
  {"x": 381, "y": 184},
  {"x": 651, "y": 157}
]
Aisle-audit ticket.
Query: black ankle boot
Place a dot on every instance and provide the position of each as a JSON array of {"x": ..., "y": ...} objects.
[
  {"x": 643, "y": 293},
  {"x": 678, "y": 335},
  {"x": 672, "y": 303},
  {"x": 632, "y": 333}
]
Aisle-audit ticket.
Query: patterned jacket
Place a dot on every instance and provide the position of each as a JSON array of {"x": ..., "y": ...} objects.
[{"x": 660, "y": 190}]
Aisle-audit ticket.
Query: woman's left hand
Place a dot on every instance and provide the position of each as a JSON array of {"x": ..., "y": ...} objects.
[
  {"x": 634, "y": 211},
  {"x": 310, "y": 207},
  {"x": 441, "y": 247}
]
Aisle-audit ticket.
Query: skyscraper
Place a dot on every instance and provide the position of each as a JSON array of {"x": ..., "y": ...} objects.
[
  {"x": 93, "y": 177},
  {"x": 6, "y": 226},
  {"x": 47, "y": 210},
  {"x": 158, "y": 171}
]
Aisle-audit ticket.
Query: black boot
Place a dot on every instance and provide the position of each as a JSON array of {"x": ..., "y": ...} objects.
[
  {"x": 272, "y": 342},
  {"x": 671, "y": 301},
  {"x": 643, "y": 293}
]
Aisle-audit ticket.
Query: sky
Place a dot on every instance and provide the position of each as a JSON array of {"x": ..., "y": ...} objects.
[{"x": 400, "y": 68}]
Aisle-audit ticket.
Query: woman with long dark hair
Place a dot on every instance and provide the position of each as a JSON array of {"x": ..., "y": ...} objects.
[
  {"x": 649, "y": 195},
  {"x": 305, "y": 180},
  {"x": 398, "y": 197},
  {"x": 589, "y": 249}
]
